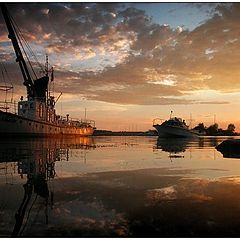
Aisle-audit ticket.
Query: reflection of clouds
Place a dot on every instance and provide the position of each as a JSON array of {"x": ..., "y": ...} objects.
[
  {"x": 233, "y": 179},
  {"x": 117, "y": 203},
  {"x": 194, "y": 189},
  {"x": 166, "y": 193},
  {"x": 197, "y": 189},
  {"x": 11, "y": 192},
  {"x": 89, "y": 217}
]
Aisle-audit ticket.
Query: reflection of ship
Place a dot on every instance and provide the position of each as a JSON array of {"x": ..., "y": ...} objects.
[
  {"x": 172, "y": 145},
  {"x": 38, "y": 173},
  {"x": 57, "y": 148},
  {"x": 36, "y": 115},
  {"x": 174, "y": 127},
  {"x": 36, "y": 159}
]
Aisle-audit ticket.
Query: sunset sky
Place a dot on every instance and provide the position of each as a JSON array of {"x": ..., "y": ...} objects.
[{"x": 129, "y": 63}]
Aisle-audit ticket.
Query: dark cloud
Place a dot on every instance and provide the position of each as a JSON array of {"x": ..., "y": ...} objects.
[
  {"x": 214, "y": 102},
  {"x": 148, "y": 53},
  {"x": 67, "y": 23},
  {"x": 125, "y": 98}
]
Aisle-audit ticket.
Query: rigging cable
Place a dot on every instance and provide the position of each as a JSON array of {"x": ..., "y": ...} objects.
[
  {"x": 21, "y": 44},
  {"x": 27, "y": 45},
  {"x": 8, "y": 79},
  {"x": 21, "y": 37},
  {"x": 5, "y": 104},
  {"x": 3, "y": 77}
]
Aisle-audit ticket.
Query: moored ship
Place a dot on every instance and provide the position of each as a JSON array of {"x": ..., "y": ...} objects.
[
  {"x": 174, "y": 127},
  {"x": 36, "y": 116}
]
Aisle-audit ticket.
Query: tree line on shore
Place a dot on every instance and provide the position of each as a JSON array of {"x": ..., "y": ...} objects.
[{"x": 214, "y": 130}]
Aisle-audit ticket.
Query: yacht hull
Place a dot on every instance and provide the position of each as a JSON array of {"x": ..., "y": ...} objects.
[
  {"x": 12, "y": 124},
  {"x": 173, "y": 131}
]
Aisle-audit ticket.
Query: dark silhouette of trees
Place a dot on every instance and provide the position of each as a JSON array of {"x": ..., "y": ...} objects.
[
  {"x": 200, "y": 128},
  {"x": 231, "y": 128},
  {"x": 214, "y": 130}
]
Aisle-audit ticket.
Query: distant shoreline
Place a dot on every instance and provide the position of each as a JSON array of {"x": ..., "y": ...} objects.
[
  {"x": 141, "y": 133},
  {"x": 124, "y": 133}
]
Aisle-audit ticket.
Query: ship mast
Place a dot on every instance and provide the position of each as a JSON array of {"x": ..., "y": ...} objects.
[{"x": 23, "y": 66}]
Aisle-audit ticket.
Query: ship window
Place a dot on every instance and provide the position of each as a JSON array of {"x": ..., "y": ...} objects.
[
  {"x": 40, "y": 111},
  {"x": 29, "y": 124},
  {"x": 31, "y": 105}
]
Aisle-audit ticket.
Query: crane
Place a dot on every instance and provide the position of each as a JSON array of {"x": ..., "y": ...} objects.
[{"x": 36, "y": 89}]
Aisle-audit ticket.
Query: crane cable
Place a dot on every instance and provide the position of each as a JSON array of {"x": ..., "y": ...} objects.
[
  {"x": 21, "y": 44},
  {"x": 21, "y": 37},
  {"x": 6, "y": 79},
  {"x": 27, "y": 45}
]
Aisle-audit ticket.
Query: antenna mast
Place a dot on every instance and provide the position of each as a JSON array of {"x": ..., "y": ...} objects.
[{"x": 46, "y": 65}]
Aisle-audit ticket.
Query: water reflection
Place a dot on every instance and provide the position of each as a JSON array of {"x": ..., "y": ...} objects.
[
  {"x": 35, "y": 160},
  {"x": 38, "y": 173},
  {"x": 55, "y": 149},
  {"x": 127, "y": 187},
  {"x": 172, "y": 145},
  {"x": 176, "y": 146}
]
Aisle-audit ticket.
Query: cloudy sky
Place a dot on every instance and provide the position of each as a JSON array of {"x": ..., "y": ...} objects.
[{"x": 128, "y": 63}]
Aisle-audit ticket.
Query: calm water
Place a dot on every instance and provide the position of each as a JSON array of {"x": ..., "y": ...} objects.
[{"x": 118, "y": 186}]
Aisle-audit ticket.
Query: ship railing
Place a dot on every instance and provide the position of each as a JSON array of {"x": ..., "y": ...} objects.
[
  {"x": 157, "y": 121},
  {"x": 76, "y": 122},
  {"x": 8, "y": 106},
  {"x": 87, "y": 122},
  {"x": 176, "y": 119}
]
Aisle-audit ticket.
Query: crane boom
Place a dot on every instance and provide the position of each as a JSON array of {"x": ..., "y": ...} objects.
[
  {"x": 35, "y": 89},
  {"x": 23, "y": 66}
]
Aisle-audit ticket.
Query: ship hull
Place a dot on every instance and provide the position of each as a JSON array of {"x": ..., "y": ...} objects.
[
  {"x": 172, "y": 131},
  {"x": 12, "y": 124}
]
